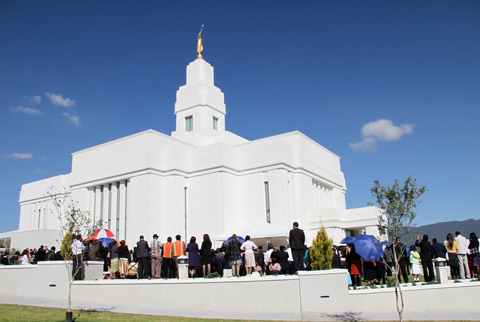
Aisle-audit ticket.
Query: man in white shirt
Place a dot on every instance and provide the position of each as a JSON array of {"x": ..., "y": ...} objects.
[
  {"x": 462, "y": 255},
  {"x": 77, "y": 251},
  {"x": 266, "y": 257}
]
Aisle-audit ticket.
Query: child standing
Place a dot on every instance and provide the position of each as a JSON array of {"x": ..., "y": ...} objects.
[{"x": 415, "y": 261}]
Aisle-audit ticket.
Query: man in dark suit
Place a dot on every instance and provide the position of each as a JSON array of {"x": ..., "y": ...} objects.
[
  {"x": 439, "y": 250},
  {"x": 143, "y": 256},
  {"x": 297, "y": 244},
  {"x": 426, "y": 254}
]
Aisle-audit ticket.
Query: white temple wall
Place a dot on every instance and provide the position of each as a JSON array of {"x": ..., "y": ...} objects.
[
  {"x": 212, "y": 203},
  {"x": 251, "y": 200},
  {"x": 280, "y": 197},
  {"x": 304, "y": 202},
  {"x": 171, "y": 211},
  {"x": 138, "y": 206},
  {"x": 338, "y": 198}
]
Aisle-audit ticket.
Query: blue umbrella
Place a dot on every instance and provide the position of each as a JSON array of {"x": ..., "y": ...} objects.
[
  {"x": 106, "y": 241},
  {"x": 239, "y": 238},
  {"x": 368, "y": 247},
  {"x": 385, "y": 243},
  {"x": 347, "y": 240}
]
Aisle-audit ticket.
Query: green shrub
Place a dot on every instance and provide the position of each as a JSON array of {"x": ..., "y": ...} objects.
[
  {"x": 213, "y": 275},
  {"x": 321, "y": 251}
]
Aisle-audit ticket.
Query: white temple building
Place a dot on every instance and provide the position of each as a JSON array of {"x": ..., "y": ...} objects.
[{"x": 200, "y": 179}]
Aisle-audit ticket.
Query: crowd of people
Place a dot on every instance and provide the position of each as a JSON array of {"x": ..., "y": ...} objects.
[
  {"x": 155, "y": 259},
  {"x": 160, "y": 260},
  {"x": 461, "y": 255},
  {"x": 30, "y": 256}
]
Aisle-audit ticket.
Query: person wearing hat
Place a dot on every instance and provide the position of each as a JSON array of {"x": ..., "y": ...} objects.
[{"x": 156, "y": 256}]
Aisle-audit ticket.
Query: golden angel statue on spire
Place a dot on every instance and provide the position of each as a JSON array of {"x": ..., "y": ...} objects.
[{"x": 199, "y": 44}]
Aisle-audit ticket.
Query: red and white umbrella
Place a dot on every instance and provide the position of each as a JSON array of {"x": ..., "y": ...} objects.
[{"x": 103, "y": 233}]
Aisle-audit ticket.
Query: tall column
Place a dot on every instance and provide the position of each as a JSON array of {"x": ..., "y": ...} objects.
[
  {"x": 44, "y": 215},
  {"x": 98, "y": 204},
  {"x": 328, "y": 195},
  {"x": 122, "y": 210},
  {"x": 106, "y": 206},
  {"x": 33, "y": 216},
  {"x": 114, "y": 209},
  {"x": 91, "y": 204}
]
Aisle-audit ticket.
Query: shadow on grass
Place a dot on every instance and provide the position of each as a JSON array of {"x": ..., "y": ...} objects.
[{"x": 346, "y": 316}]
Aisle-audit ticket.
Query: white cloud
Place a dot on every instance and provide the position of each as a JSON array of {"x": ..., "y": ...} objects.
[
  {"x": 384, "y": 130},
  {"x": 39, "y": 171},
  {"x": 57, "y": 99},
  {"x": 72, "y": 118},
  {"x": 36, "y": 99},
  {"x": 367, "y": 144},
  {"x": 381, "y": 130},
  {"x": 20, "y": 156},
  {"x": 26, "y": 110}
]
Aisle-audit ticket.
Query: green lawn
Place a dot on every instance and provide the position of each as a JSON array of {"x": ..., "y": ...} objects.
[{"x": 20, "y": 313}]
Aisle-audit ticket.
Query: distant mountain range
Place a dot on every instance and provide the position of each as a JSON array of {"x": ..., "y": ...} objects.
[{"x": 441, "y": 229}]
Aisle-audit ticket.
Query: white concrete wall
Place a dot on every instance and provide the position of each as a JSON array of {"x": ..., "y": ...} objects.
[
  {"x": 45, "y": 280},
  {"x": 307, "y": 294},
  {"x": 460, "y": 296}
]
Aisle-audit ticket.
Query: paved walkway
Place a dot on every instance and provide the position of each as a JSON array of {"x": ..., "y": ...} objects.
[{"x": 473, "y": 315}]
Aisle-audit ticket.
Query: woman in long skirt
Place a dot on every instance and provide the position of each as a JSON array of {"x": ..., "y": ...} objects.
[{"x": 248, "y": 246}]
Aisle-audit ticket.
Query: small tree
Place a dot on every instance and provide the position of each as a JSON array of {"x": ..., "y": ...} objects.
[
  {"x": 321, "y": 251},
  {"x": 72, "y": 221},
  {"x": 397, "y": 205}
]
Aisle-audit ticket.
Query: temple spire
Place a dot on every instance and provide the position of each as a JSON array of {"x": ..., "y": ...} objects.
[{"x": 199, "y": 44}]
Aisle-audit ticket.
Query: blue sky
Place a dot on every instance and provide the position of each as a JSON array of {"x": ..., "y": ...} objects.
[{"x": 392, "y": 87}]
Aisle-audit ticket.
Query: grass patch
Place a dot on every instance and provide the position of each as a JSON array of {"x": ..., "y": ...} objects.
[{"x": 20, "y": 313}]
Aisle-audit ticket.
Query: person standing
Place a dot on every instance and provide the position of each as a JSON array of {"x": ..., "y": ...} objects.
[
  {"x": 143, "y": 255},
  {"x": 167, "y": 261},
  {"x": 297, "y": 243},
  {"x": 354, "y": 265},
  {"x": 41, "y": 255},
  {"x": 388, "y": 256},
  {"x": 426, "y": 257},
  {"x": 452, "y": 246},
  {"x": 249, "y": 247},
  {"x": 156, "y": 257},
  {"x": 51, "y": 254},
  {"x": 113, "y": 254},
  {"x": 206, "y": 255},
  {"x": 462, "y": 255},
  {"x": 193, "y": 256},
  {"x": 123, "y": 259},
  {"x": 178, "y": 250},
  {"x": 415, "y": 262},
  {"x": 234, "y": 255},
  {"x": 475, "y": 254},
  {"x": 77, "y": 252},
  {"x": 439, "y": 250}
]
